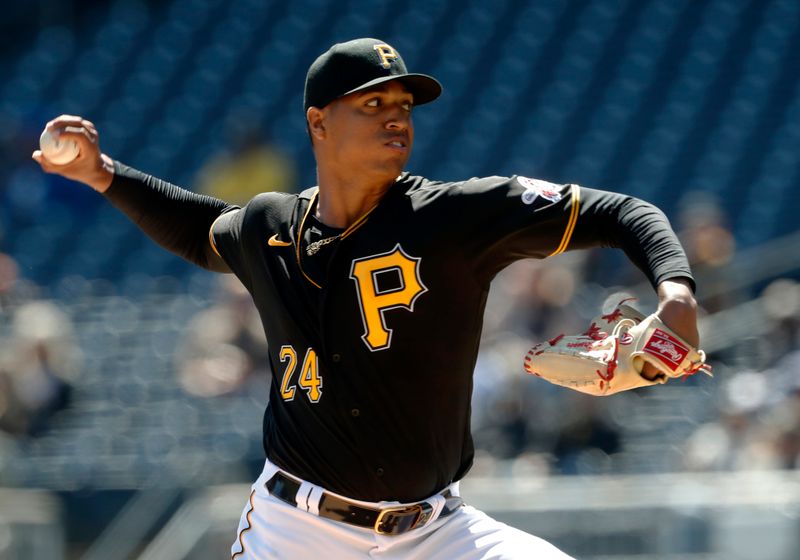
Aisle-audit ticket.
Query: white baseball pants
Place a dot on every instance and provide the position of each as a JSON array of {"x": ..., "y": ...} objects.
[{"x": 270, "y": 529}]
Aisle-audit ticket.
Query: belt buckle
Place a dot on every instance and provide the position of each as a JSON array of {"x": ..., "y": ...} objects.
[{"x": 393, "y": 526}]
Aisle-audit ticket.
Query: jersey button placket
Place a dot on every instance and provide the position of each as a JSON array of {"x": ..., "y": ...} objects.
[{"x": 336, "y": 358}]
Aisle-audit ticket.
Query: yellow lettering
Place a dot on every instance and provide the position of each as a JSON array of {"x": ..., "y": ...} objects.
[
  {"x": 387, "y": 54},
  {"x": 310, "y": 380},
  {"x": 288, "y": 354},
  {"x": 375, "y": 302}
]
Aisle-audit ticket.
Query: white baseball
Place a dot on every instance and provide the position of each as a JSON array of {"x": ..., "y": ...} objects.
[{"x": 56, "y": 150}]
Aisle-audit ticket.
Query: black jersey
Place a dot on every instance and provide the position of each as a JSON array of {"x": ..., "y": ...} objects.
[{"x": 374, "y": 330}]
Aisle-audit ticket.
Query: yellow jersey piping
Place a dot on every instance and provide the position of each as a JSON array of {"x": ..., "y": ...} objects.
[
  {"x": 573, "y": 219},
  {"x": 240, "y": 538},
  {"x": 211, "y": 236},
  {"x": 355, "y": 225}
]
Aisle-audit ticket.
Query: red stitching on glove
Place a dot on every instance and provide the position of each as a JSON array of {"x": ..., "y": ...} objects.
[
  {"x": 613, "y": 316},
  {"x": 617, "y": 313},
  {"x": 527, "y": 364},
  {"x": 554, "y": 341},
  {"x": 608, "y": 376},
  {"x": 694, "y": 369},
  {"x": 595, "y": 333},
  {"x": 611, "y": 367}
]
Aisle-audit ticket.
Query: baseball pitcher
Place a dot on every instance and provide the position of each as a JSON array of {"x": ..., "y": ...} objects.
[{"x": 371, "y": 287}]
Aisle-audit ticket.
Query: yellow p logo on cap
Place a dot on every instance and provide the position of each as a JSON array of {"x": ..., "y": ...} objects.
[{"x": 386, "y": 53}]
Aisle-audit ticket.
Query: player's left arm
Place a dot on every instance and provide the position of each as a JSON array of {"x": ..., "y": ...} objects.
[
  {"x": 645, "y": 234},
  {"x": 519, "y": 217},
  {"x": 640, "y": 229},
  {"x": 677, "y": 308},
  {"x": 539, "y": 219},
  {"x": 508, "y": 219},
  {"x": 605, "y": 219}
]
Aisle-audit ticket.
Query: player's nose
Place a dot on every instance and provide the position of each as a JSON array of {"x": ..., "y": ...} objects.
[{"x": 398, "y": 120}]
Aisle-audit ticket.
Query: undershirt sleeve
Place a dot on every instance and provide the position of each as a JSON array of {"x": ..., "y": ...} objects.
[
  {"x": 176, "y": 219},
  {"x": 608, "y": 219}
]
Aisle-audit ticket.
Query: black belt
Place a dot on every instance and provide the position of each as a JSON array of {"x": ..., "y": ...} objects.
[{"x": 385, "y": 521}]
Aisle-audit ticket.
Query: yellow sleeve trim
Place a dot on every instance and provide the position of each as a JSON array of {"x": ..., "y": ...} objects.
[
  {"x": 211, "y": 236},
  {"x": 573, "y": 219}
]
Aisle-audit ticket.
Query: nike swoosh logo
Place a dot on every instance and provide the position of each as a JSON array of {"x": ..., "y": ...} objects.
[{"x": 275, "y": 242}]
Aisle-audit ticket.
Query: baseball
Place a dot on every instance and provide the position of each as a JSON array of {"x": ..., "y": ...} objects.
[{"x": 56, "y": 150}]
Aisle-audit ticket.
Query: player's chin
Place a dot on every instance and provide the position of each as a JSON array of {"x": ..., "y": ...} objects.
[
  {"x": 397, "y": 156},
  {"x": 390, "y": 165},
  {"x": 394, "y": 168}
]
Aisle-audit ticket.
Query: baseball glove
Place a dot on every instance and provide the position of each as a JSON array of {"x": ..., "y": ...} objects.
[{"x": 610, "y": 355}]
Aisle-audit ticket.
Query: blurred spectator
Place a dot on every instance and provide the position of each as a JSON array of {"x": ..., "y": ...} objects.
[
  {"x": 783, "y": 424},
  {"x": 729, "y": 443},
  {"x": 12, "y": 413},
  {"x": 518, "y": 419},
  {"x": 9, "y": 272},
  {"x": 781, "y": 304},
  {"x": 585, "y": 439},
  {"x": 504, "y": 431},
  {"x": 758, "y": 425},
  {"x": 224, "y": 346},
  {"x": 250, "y": 166},
  {"x": 709, "y": 243},
  {"x": 15, "y": 148},
  {"x": 736, "y": 440},
  {"x": 38, "y": 365},
  {"x": 531, "y": 298},
  {"x": 704, "y": 230}
]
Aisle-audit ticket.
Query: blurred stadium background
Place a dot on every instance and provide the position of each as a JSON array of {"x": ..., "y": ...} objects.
[{"x": 132, "y": 385}]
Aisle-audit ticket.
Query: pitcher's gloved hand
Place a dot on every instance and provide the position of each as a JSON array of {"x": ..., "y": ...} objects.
[{"x": 610, "y": 356}]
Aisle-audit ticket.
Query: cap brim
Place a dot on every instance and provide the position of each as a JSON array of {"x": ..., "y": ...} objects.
[{"x": 424, "y": 88}]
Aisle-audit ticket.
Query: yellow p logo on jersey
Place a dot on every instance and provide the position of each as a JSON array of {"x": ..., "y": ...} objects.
[
  {"x": 374, "y": 301},
  {"x": 387, "y": 54}
]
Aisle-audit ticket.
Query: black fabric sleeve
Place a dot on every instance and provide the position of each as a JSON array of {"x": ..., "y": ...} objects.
[
  {"x": 230, "y": 240},
  {"x": 176, "y": 219},
  {"x": 519, "y": 217},
  {"x": 608, "y": 219}
]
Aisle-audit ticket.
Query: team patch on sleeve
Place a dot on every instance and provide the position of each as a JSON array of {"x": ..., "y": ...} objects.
[{"x": 535, "y": 188}]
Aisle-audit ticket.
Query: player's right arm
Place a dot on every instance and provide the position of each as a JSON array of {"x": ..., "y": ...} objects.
[{"x": 176, "y": 219}]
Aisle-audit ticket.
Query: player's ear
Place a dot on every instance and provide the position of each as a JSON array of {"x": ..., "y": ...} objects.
[{"x": 315, "y": 119}]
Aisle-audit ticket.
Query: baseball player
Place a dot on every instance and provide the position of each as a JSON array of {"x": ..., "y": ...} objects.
[{"x": 371, "y": 288}]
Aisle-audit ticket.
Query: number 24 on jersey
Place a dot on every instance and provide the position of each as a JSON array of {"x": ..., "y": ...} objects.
[{"x": 309, "y": 379}]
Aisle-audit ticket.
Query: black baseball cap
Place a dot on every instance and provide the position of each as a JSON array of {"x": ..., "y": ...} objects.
[{"x": 360, "y": 64}]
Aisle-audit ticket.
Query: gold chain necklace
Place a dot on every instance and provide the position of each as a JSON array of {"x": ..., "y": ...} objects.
[{"x": 315, "y": 246}]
